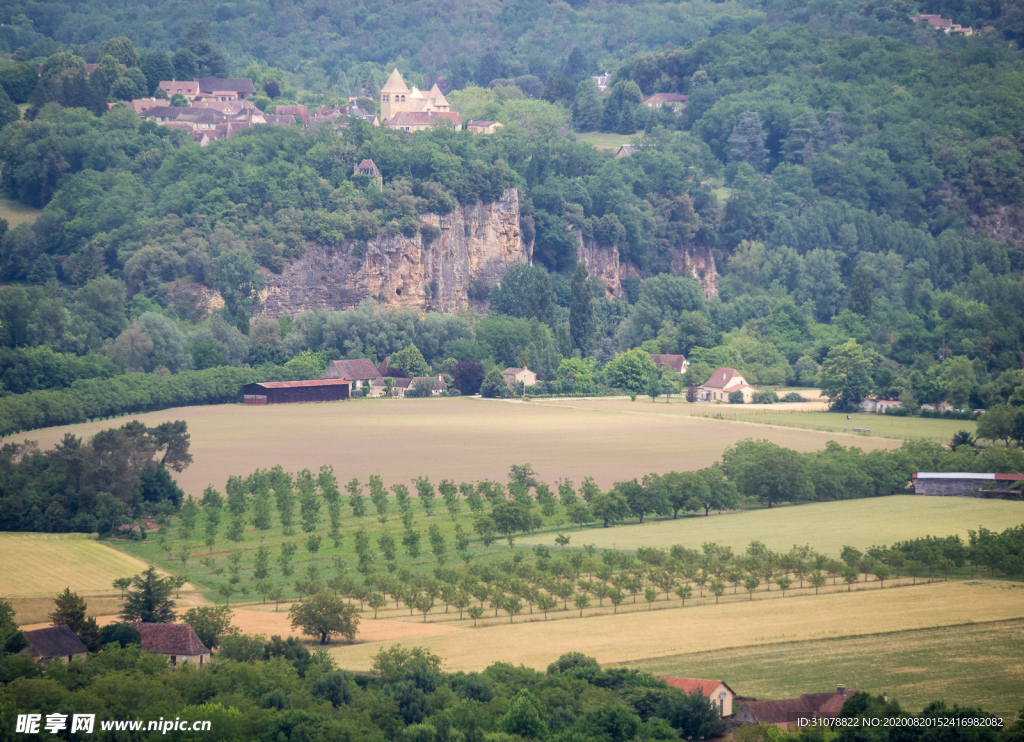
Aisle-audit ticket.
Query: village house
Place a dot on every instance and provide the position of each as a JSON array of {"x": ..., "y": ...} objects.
[
  {"x": 436, "y": 384},
  {"x": 625, "y": 150},
  {"x": 188, "y": 89},
  {"x": 943, "y": 24},
  {"x": 786, "y": 713},
  {"x": 514, "y": 375},
  {"x": 724, "y": 382},
  {"x": 676, "y": 362},
  {"x": 484, "y": 127},
  {"x": 720, "y": 694},
  {"x": 359, "y": 372},
  {"x": 880, "y": 406},
  {"x": 220, "y": 88},
  {"x": 403, "y": 109},
  {"x": 54, "y": 643},
  {"x": 401, "y": 385},
  {"x": 672, "y": 100},
  {"x": 602, "y": 82},
  {"x": 176, "y": 640},
  {"x": 301, "y": 113}
]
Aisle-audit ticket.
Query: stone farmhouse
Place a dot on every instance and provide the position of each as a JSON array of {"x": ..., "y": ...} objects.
[
  {"x": 176, "y": 640},
  {"x": 724, "y": 382},
  {"x": 514, "y": 375},
  {"x": 720, "y": 694},
  {"x": 360, "y": 373},
  {"x": 786, "y": 713},
  {"x": 403, "y": 109},
  {"x": 58, "y": 643},
  {"x": 674, "y": 361},
  {"x": 880, "y": 406},
  {"x": 673, "y": 100},
  {"x": 484, "y": 127}
]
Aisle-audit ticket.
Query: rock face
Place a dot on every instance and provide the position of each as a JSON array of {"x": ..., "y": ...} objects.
[
  {"x": 603, "y": 264},
  {"x": 476, "y": 243}
]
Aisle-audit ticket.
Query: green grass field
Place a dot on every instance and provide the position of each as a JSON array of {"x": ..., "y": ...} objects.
[
  {"x": 456, "y": 438},
  {"x": 17, "y": 213},
  {"x": 975, "y": 664},
  {"x": 880, "y": 425},
  {"x": 769, "y": 417},
  {"x": 608, "y": 141},
  {"x": 826, "y": 526}
]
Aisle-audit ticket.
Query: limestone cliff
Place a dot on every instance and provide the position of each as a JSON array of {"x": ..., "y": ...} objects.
[
  {"x": 603, "y": 264},
  {"x": 476, "y": 243}
]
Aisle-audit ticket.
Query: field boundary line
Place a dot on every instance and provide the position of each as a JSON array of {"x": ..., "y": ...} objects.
[
  {"x": 707, "y": 417},
  {"x": 820, "y": 639}
]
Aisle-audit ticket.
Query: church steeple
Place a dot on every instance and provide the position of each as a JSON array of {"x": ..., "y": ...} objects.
[{"x": 392, "y": 96}]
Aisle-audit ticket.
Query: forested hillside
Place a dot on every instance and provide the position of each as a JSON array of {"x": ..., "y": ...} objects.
[{"x": 854, "y": 174}]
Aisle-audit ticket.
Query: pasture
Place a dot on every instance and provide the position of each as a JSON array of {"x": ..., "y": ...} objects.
[
  {"x": 650, "y": 635},
  {"x": 456, "y": 438},
  {"x": 977, "y": 664},
  {"x": 608, "y": 141},
  {"x": 17, "y": 213},
  {"x": 825, "y": 526}
]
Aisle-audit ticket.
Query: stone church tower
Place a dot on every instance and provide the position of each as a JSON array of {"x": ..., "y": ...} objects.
[
  {"x": 393, "y": 97},
  {"x": 396, "y": 98}
]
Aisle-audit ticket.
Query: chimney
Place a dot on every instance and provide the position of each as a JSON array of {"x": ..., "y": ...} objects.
[{"x": 841, "y": 690}]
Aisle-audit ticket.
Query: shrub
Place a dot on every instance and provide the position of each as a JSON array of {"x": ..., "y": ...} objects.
[{"x": 735, "y": 397}]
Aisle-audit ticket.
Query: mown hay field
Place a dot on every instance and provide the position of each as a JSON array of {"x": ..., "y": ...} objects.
[
  {"x": 43, "y": 564},
  {"x": 810, "y": 415},
  {"x": 978, "y": 664},
  {"x": 649, "y": 635},
  {"x": 456, "y": 438},
  {"x": 825, "y": 526}
]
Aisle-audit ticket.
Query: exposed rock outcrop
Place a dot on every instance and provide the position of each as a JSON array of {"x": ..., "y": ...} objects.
[
  {"x": 475, "y": 243},
  {"x": 603, "y": 264}
]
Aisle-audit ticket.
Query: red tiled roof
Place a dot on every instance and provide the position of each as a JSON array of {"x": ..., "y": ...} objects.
[
  {"x": 689, "y": 685},
  {"x": 721, "y": 377},
  {"x": 170, "y": 638}
]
